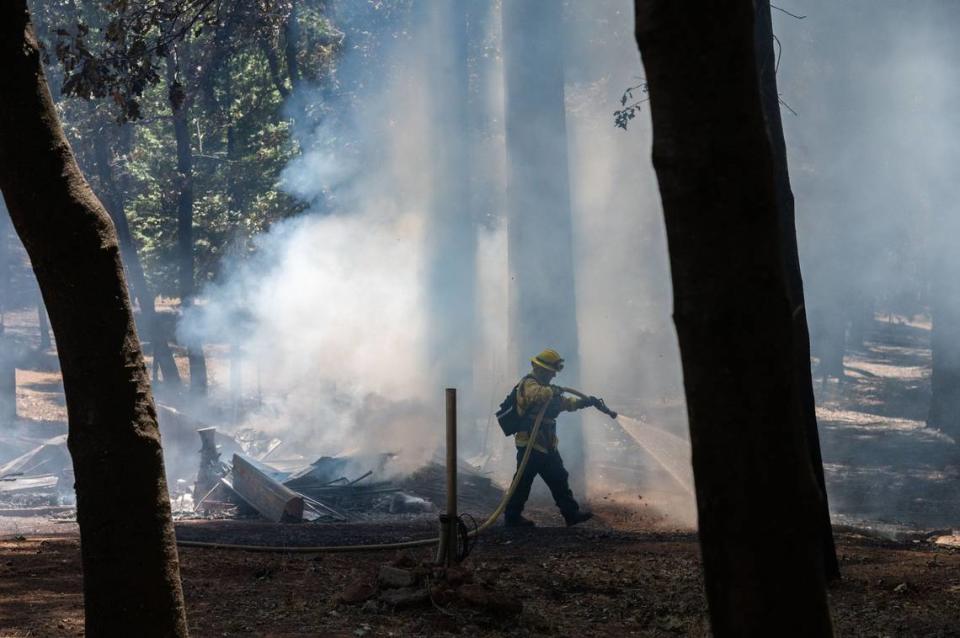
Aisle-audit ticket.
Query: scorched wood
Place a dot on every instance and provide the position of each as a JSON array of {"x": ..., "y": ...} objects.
[{"x": 271, "y": 499}]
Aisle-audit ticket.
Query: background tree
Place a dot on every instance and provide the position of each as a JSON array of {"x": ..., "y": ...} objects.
[
  {"x": 759, "y": 505},
  {"x": 542, "y": 298},
  {"x": 8, "y": 364},
  {"x": 199, "y": 90},
  {"x": 453, "y": 236},
  {"x": 112, "y": 144},
  {"x": 128, "y": 550}
]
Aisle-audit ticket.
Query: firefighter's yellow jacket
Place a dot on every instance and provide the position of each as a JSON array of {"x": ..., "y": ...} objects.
[{"x": 531, "y": 395}]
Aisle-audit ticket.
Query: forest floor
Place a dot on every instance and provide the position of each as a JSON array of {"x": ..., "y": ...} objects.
[
  {"x": 594, "y": 580},
  {"x": 629, "y": 572},
  {"x": 884, "y": 467}
]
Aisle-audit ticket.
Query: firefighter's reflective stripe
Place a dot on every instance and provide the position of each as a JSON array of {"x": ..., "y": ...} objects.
[
  {"x": 522, "y": 439},
  {"x": 531, "y": 395}
]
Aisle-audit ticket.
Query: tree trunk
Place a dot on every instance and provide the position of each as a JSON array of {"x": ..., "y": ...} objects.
[
  {"x": 760, "y": 508},
  {"x": 128, "y": 549},
  {"x": 453, "y": 232},
  {"x": 543, "y": 302},
  {"x": 291, "y": 36},
  {"x": 178, "y": 106},
  {"x": 944, "y": 411},
  {"x": 273, "y": 64},
  {"x": 112, "y": 197},
  {"x": 8, "y": 375},
  {"x": 8, "y": 365},
  {"x": 767, "y": 63},
  {"x": 43, "y": 323}
]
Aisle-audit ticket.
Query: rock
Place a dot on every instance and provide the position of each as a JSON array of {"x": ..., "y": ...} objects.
[
  {"x": 405, "y": 559},
  {"x": 538, "y": 622},
  {"x": 457, "y": 576},
  {"x": 408, "y": 504},
  {"x": 394, "y": 577},
  {"x": 405, "y": 597},
  {"x": 443, "y": 594},
  {"x": 489, "y": 600},
  {"x": 357, "y": 592},
  {"x": 670, "y": 623}
]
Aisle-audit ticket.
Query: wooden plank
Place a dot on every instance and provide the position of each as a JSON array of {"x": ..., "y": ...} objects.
[
  {"x": 271, "y": 499},
  {"x": 40, "y": 483}
]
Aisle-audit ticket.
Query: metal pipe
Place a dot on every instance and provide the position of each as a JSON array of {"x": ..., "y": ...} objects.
[{"x": 451, "y": 557}]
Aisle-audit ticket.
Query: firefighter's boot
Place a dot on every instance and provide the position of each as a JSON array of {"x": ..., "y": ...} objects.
[
  {"x": 518, "y": 521},
  {"x": 578, "y": 517}
]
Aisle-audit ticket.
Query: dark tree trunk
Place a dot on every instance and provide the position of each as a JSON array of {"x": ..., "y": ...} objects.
[
  {"x": 8, "y": 365},
  {"x": 861, "y": 320},
  {"x": 767, "y": 62},
  {"x": 291, "y": 37},
  {"x": 185, "y": 258},
  {"x": 43, "y": 323},
  {"x": 760, "y": 508},
  {"x": 128, "y": 549},
  {"x": 8, "y": 375},
  {"x": 543, "y": 301},
  {"x": 112, "y": 197},
  {"x": 944, "y": 411},
  {"x": 273, "y": 64}
]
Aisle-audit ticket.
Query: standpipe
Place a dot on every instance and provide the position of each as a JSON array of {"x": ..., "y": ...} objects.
[{"x": 425, "y": 542}]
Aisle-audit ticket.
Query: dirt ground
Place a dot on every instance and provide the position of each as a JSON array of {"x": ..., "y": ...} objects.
[
  {"x": 592, "y": 580},
  {"x": 892, "y": 481}
]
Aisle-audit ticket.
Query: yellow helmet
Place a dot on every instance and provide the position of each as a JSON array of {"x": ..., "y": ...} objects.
[{"x": 548, "y": 359}]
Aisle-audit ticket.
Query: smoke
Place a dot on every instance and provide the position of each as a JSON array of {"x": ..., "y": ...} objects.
[
  {"x": 394, "y": 284},
  {"x": 869, "y": 121}
]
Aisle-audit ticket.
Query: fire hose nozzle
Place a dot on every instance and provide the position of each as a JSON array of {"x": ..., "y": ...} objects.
[
  {"x": 600, "y": 405},
  {"x": 596, "y": 402}
]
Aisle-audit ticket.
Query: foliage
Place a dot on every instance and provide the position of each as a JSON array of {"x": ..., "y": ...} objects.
[
  {"x": 230, "y": 75},
  {"x": 135, "y": 36},
  {"x": 622, "y": 117}
]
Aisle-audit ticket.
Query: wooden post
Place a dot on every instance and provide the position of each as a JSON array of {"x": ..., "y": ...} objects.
[{"x": 451, "y": 557}]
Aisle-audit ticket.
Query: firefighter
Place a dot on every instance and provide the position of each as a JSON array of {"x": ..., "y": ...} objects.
[{"x": 532, "y": 392}]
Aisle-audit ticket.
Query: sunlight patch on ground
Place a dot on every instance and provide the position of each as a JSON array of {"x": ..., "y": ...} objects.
[
  {"x": 895, "y": 473},
  {"x": 887, "y": 371},
  {"x": 852, "y": 419}
]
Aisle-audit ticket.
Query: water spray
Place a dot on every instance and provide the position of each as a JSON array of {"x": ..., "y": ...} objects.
[{"x": 669, "y": 450}]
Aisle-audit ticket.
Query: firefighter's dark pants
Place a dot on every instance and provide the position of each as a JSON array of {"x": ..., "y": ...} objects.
[{"x": 550, "y": 468}]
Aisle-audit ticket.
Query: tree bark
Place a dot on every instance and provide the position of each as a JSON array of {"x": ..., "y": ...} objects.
[
  {"x": 112, "y": 197},
  {"x": 43, "y": 323},
  {"x": 770, "y": 96},
  {"x": 760, "y": 507},
  {"x": 944, "y": 413},
  {"x": 273, "y": 64},
  {"x": 185, "y": 257},
  {"x": 542, "y": 298},
  {"x": 128, "y": 549},
  {"x": 8, "y": 366},
  {"x": 291, "y": 36}
]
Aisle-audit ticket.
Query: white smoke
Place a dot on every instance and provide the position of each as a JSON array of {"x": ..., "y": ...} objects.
[{"x": 334, "y": 308}]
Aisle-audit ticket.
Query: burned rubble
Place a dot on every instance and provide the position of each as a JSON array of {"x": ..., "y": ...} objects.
[
  {"x": 39, "y": 478},
  {"x": 330, "y": 489}
]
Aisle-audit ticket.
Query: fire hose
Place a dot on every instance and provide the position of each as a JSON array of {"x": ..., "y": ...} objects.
[{"x": 424, "y": 542}]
